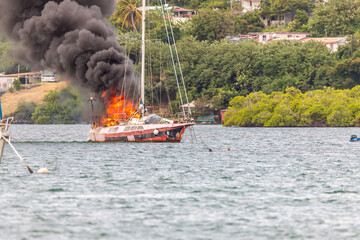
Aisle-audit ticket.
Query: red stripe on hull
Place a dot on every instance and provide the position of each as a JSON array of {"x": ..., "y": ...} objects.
[{"x": 167, "y": 134}]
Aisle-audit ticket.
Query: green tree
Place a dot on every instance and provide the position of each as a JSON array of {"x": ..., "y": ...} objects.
[
  {"x": 127, "y": 14},
  {"x": 300, "y": 22},
  {"x": 346, "y": 74},
  {"x": 24, "y": 112},
  {"x": 337, "y": 17},
  {"x": 270, "y": 8},
  {"x": 327, "y": 107},
  {"x": 17, "y": 84},
  {"x": 211, "y": 25},
  {"x": 59, "y": 108},
  {"x": 249, "y": 22}
]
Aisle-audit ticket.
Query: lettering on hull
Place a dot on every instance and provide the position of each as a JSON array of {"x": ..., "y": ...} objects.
[{"x": 172, "y": 135}]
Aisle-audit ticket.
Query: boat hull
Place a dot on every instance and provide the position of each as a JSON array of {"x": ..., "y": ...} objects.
[{"x": 140, "y": 133}]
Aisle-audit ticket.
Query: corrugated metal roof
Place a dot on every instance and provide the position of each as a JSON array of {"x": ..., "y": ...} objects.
[
  {"x": 21, "y": 74},
  {"x": 326, "y": 40}
]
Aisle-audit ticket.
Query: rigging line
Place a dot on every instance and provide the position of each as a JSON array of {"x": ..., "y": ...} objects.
[
  {"x": 172, "y": 59},
  {"x": 179, "y": 64},
  {"x": 163, "y": 76},
  {"x": 126, "y": 66},
  {"x": 160, "y": 95},
  {"x": 133, "y": 98},
  {"x": 123, "y": 87},
  {"x": 201, "y": 140},
  {"x": 150, "y": 75},
  {"x": 168, "y": 93}
]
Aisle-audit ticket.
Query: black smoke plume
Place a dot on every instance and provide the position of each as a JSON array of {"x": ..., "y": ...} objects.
[{"x": 71, "y": 37}]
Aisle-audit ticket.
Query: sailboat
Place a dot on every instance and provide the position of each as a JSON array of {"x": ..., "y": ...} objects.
[{"x": 139, "y": 127}]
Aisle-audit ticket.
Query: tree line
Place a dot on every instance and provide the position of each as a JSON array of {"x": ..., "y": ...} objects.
[
  {"x": 319, "y": 108},
  {"x": 63, "y": 107},
  {"x": 221, "y": 70}
]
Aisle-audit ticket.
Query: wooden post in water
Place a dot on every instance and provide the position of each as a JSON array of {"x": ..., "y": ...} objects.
[
  {"x": 2, "y": 143},
  {"x": 4, "y": 126}
]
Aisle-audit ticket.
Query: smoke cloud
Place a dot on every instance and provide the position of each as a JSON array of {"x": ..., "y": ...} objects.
[{"x": 71, "y": 37}]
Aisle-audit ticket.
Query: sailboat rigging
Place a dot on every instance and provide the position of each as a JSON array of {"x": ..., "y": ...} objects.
[{"x": 129, "y": 125}]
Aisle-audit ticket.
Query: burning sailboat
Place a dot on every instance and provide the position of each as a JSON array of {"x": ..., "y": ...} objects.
[{"x": 126, "y": 123}]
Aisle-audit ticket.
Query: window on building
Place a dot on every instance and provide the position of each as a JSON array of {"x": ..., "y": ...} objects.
[{"x": 264, "y": 38}]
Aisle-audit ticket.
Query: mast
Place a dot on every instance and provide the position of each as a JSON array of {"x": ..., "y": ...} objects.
[{"x": 142, "y": 86}]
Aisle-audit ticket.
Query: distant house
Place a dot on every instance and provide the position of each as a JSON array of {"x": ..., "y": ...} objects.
[
  {"x": 182, "y": 14},
  {"x": 264, "y": 37},
  {"x": 177, "y": 13},
  {"x": 49, "y": 76},
  {"x": 278, "y": 20},
  {"x": 6, "y": 81},
  {"x": 331, "y": 43},
  {"x": 238, "y": 38},
  {"x": 250, "y": 5},
  {"x": 222, "y": 113}
]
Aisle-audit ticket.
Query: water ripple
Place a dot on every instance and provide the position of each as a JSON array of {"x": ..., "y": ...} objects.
[{"x": 274, "y": 183}]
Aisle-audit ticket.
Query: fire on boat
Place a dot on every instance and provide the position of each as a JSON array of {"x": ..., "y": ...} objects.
[{"x": 124, "y": 122}]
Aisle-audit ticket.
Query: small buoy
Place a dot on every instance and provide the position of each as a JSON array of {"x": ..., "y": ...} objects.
[
  {"x": 43, "y": 170},
  {"x": 228, "y": 149},
  {"x": 156, "y": 132}
]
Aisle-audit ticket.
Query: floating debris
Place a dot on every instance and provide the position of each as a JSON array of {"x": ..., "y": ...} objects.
[{"x": 43, "y": 170}]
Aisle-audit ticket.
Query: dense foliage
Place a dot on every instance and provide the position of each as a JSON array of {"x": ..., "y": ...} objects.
[
  {"x": 62, "y": 107},
  {"x": 223, "y": 70},
  {"x": 327, "y": 107},
  {"x": 337, "y": 17},
  {"x": 24, "y": 112},
  {"x": 211, "y": 25},
  {"x": 249, "y": 22}
]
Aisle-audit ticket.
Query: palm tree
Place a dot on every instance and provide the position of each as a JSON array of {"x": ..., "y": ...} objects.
[{"x": 128, "y": 14}]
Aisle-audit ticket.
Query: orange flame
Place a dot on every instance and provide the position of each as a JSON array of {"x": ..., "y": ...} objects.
[{"x": 118, "y": 110}]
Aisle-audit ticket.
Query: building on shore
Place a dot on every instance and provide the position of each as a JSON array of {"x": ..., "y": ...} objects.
[
  {"x": 6, "y": 81},
  {"x": 177, "y": 14},
  {"x": 264, "y": 37},
  {"x": 332, "y": 43}
]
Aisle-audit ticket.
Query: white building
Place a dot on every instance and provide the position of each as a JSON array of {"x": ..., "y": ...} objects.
[
  {"x": 6, "y": 82},
  {"x": 331, "y": 43},
  {"x": 250, "y": 5}
]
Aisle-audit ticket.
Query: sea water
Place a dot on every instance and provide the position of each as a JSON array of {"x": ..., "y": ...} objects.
[{"x": 274, "y": 183}]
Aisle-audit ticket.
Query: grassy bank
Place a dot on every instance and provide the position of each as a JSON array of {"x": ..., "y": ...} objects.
[{"x": 10, "y": 101}]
